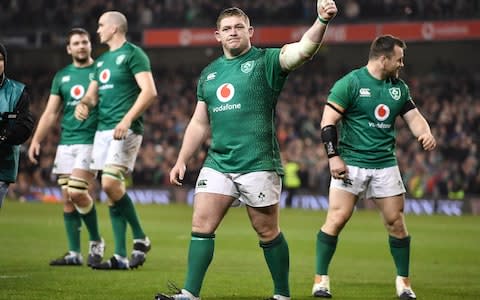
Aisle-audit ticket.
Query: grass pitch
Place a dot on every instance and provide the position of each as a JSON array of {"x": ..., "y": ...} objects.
[{"x": 445, "y": 258}]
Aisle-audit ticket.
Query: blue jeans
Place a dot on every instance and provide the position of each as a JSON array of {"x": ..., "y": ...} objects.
[{"x": 3, "y": 191}]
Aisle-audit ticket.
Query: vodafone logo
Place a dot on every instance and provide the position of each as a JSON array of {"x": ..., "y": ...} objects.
[
  {"x": 77, "y": 91},
  {"x": 104, "y": 76},
  {"x": 382, "y": 112},
  {"x": 225, "y": 92}
]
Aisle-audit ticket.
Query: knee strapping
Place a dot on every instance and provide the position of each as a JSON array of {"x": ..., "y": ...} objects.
[
  {"x": 63, "y": 182},
  {"x": 114, "y": 172},
  {"x": 77, "y": 185}
]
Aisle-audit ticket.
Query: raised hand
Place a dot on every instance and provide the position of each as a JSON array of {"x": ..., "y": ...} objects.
[{"x": 327, "y": 9}]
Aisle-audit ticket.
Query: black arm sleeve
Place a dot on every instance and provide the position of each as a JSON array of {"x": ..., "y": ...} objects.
[
  {"x": 409, "y": 105},
  {"x": 22, "y": 128}
]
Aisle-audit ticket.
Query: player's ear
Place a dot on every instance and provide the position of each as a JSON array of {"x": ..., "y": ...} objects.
[{"x": 217, "y": 36}]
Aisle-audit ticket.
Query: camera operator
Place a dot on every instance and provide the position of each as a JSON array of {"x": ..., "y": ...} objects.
[{"x": 16, "y": 125}]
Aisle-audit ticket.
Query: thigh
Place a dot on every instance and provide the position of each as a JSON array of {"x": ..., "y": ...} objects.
[
  {"x": 258, "y": 189},
  {"x": 124, "y": 152},
  {"x": 214, "y": 194},
  {"x": 215, "y": 182},
  {"x": 265, "y": 221},
  {"x": 101, "y": 144},
  {"x": 391, "y": 209},
  {"x": 356, "y": 183},
  {"x": 82, "y": 156},
  {"x": 209, "y": 209},
  {"x": 386, "y": 182},
  {"x": 64, "y": 160},
  {"x": 86, "y": 175}
]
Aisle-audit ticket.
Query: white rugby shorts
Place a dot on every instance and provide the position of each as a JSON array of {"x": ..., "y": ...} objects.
[
  {"x": 256, "y": 189},
  {"x": 374, "y": 183},
  {"x": 69, "y": 157},
  {"x": 108, "y": 151}
]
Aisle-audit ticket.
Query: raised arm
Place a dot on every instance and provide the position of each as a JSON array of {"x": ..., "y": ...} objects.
[{"x": 296, "y": 54}]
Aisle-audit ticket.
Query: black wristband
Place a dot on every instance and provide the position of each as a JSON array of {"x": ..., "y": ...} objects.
[{"x": 329, "y": 139}]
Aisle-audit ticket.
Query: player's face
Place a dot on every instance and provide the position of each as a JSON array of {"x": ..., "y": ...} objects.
[
  {"x": 394, "y": 63},
  {"x": 234, "y": 33},
  {"x": 79, "y": 48},
  {"x": 105, "y": 29}
]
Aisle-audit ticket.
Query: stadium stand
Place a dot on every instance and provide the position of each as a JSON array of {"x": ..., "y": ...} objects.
[{"x": 448, "y": 97}]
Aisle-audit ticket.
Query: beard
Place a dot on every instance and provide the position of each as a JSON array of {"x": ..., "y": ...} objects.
[
  {"x": 393, "y": 74},
  {"x": 81, "y": 59}
]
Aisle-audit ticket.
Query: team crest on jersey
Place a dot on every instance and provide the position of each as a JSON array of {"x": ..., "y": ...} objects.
[
  {"x": 395, "y": 92},
  {"x": 77, "y": 91},
  {"x": 66, "y": 78},
  {"x": 104, "y": 76},
  {"x": 120, "y": 59},
  {"x": 225, "y": 92},
  {"x": 382, "y": 112},
  {"x": 247, "y": 67}
]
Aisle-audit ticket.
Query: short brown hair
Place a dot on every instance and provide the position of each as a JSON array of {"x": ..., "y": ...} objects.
[
  {"x": 76, "y": 30},
  {"x": 384, "y": 45},
  {"x": 232, "y": 12}
]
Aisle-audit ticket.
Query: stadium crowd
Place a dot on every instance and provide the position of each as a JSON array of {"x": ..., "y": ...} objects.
[
  {"x": 57, "y": 14},
  {"x": 449, "y": 98}
]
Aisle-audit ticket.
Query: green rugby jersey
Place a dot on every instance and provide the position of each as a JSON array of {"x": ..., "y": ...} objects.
[
  {"x": 71, "y": 84},
  {"x": 117, "y": 89},
  {"x": 241, "y": 95},
  {"x": 367, "y": 129}
]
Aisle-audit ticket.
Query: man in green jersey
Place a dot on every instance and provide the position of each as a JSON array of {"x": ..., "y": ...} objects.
[
  {"x": 123, "y": 88},
  {"x": 237, "y": 95},
  {"x": 366, "y": 103},
  {"x": 16, "y": 124},
  {"x": 74, "y": 150}
]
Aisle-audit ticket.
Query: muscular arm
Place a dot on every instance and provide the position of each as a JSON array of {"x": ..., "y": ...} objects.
[
  {"x": 21, "y": 128},
  {"x": 148, "y": 94},
  {"x": 420, "y": 129},
  {"x": 332, "y": 113},
  {"x": 196, "y": 133},
  {"x": 146, "y": 97},
  {"x": 49, "y": 116},
  {"x": 331, "y": 116},
  {"x": 296, "y": 54}
]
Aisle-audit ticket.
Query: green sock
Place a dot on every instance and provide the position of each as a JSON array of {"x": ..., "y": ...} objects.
[
  {"x": 277, "y": 257},
  {"x": 125, "y": 205},
  {"x": 119, "y": 226},
  {"x": 326, "y": 246},
  {"x": 200, "y": 254},
  {"x": 73, "y": 224},
  {"x": 91, "y": 222},
  {"x": 400, "y": 249}
]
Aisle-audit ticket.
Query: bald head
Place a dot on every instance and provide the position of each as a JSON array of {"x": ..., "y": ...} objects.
[{"x": 117, "y": 19}]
